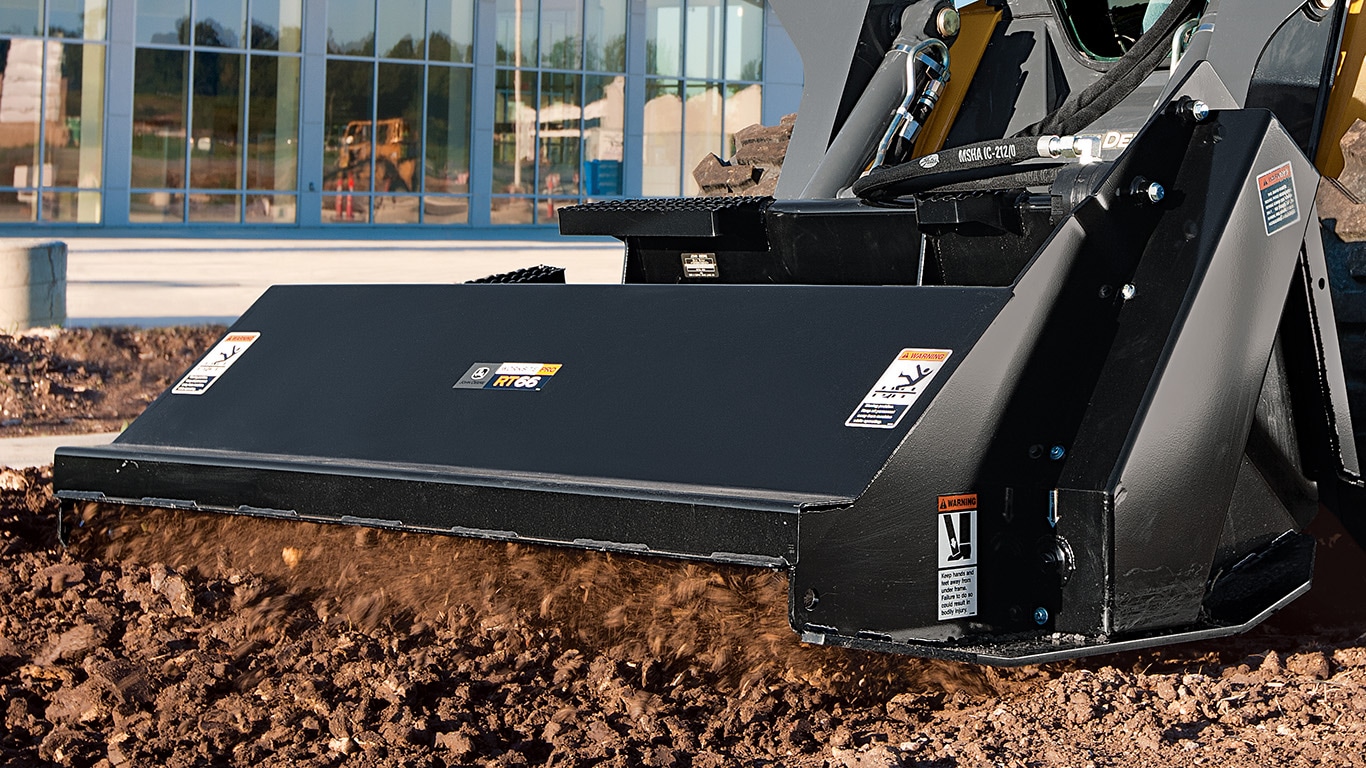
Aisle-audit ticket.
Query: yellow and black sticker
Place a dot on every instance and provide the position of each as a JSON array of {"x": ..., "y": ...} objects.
[{"x": 515, "y": 377}]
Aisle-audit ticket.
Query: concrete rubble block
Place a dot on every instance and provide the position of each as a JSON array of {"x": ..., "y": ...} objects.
[
  {"x": 754, "y": 170},
  {"x": 32, "y": 284},
  {"x": 1353, "y": 145}
]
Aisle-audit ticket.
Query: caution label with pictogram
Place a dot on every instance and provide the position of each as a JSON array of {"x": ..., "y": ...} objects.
[{"x": 957, "y": 532}]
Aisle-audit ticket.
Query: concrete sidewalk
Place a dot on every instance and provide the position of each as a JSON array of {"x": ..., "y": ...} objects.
[
  {"x": 159, "y": 282},
  {"x": 20, "y": 452}
]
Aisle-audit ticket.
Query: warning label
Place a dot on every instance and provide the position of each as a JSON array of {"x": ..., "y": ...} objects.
[
  {"x": 957, "y": 593},
  {"x": 957, "y": 532},
  {"x": 523, "y": 377},
  {"x": 215, "y": 364},
  {"x": 1277, "y": 190},
  {"x": 898, "y": 388}
]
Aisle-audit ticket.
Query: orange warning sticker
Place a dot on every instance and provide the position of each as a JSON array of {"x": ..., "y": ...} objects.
[
  {"x": 957, "y": 501},
  {"x": 925, "y": 355}
]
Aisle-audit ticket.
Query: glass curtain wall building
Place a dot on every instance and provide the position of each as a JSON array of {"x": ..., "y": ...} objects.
[{"x": 323, "y": 116}]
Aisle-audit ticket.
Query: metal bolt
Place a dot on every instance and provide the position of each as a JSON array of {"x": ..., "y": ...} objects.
[
  {"x": 1041, "y": 616},
  {"x": 1194, "y": 110},
  {"x": 1324, "y": 5},
  {"x": 1106, "y": 291},
  {"x": 1057, "y": 452},
  {"x": 948, "y": 22},
  {"x": 1147, "y": 191},
  {"x": 810, "y": 599},
  {"x": 1035, "y": 451},
  {"x": 1128, "y": 292}
]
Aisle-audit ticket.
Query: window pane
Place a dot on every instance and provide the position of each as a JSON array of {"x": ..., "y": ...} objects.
[
  {"x": 156, "y": 207},
  {"x": 398, "y": 134},
  {"x": 702, "y": 121},
  {"x": 664, "y": 37},
  {"x": 75, "y": 143},
  {"x": 76, "y": 18},
  {"x": 448, "y": 129},
  {"x": 560, "y": 134},
  {"x": 744, "y": 107},
  {"x": 450, "y": 25},
  {"x": 72, "y": 207},
  {"x": 442, "y": 209},
  {"x": 216, "y": 131},
  {"x": 276, "y": 25},
  {"x": 744, "y": 39},
  {"x": 561, "y": 27},
  {"x": 351, "y": 27},
  {"x": 273, "y": 123},
  {"x": 400, "y": 29},
  {"x": 702, "y": 57},
  {"x": 346, "y": 151},
  {"x": 160, "y": 79},
  {"x": 21, "y": 17},
  {"x": 221, "y": 24},
  {"x": 217, "y": 209},
  {"x": 397, "y": 209},
  {"x": 660, "y": 161},
  {"x": 270, "y": 209},
  {"x": 164, "y": 21},
  {"x": 346, "y": 208},
  {"x": 605, "y": 35},
  {"x": 514, "y": 131},
  {"x": 512, "y": 210},
  {"x": 604, "y": 114},
  {"x": 21, "y": 112},
  {"x": 516, "y": 21}
]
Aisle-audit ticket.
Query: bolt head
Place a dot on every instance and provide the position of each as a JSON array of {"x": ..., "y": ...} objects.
[
  {"x": 810, "y": 599},
  {"x": 1155, "y": 192},
  {"x": 1324, "y": 5},
  {"x": 948, "y": 22},
  {"x": 1199, "y": 111},
  {"x": 1128, "y": 292},
  {"x": 1035, "y": 451},
  {"x": 1057, "y": 452},
  {"x": 1041, "y": 616}
]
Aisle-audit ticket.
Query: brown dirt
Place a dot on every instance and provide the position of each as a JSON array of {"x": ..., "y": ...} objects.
[
  {"x": 167, "y": 638},
  {"x": 90, "y": 380}
]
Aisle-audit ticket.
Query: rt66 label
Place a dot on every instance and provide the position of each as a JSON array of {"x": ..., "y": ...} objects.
[{"x": 524, "y": 377}]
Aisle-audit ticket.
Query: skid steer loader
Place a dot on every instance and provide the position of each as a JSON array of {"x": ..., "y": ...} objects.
[{"x": 1033, "y": 355}]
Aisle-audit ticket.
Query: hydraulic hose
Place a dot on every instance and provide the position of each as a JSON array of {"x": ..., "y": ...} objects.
[
  {"x": 950, "y": 162},
  {"x": 1079, "y": 111}
]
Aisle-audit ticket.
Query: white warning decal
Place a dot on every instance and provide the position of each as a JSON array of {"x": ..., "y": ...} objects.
[
  {"x": 1277, "y": 190},
  {"x": 899, "y": 387},
  {"x": 216, "y": 363},
  {"x": 957, "y": 526}
]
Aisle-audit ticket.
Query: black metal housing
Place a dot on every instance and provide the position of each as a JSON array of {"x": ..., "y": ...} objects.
[{"x": 1133, "y": 409}]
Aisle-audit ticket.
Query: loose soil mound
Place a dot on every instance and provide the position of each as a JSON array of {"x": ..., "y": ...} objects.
[{"x": 168, "y": 638}]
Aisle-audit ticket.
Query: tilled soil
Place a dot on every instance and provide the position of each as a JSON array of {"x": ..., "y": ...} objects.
[
  {"x": 90, "y": 379},
  {"x": 167, "y": 638}
]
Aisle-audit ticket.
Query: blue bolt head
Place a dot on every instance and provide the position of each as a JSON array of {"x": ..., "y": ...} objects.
[
  {"x": 1041, "y": 616},
  {"x": 1057, "y": 452}
]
